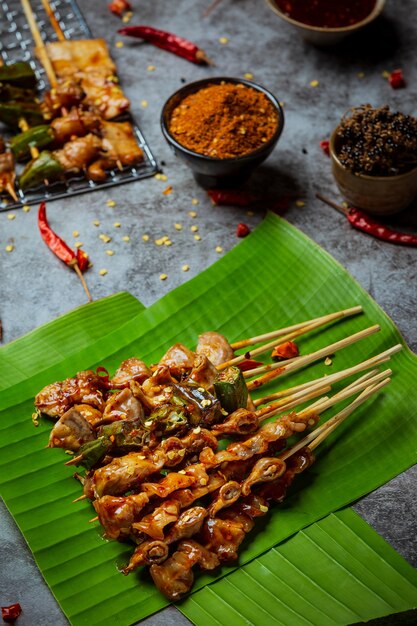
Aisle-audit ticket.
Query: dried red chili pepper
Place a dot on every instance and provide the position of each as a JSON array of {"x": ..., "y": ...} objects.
[
  {"x": 242, "y": 230},
  {"x": 362, "y": 221},
  {"x": 396, "y": 79},
  {"x": 118, "y": 7},
  {"x": 78, "y": 261},
  {"x": 248, "y": 364},
  {"x": 232, "y": 197},
  {"x": 325, "y": 146},
  {"x": 284, "y": 351},
  {"x": 168, "y": 41},
  {"x": 11, "y": 613}
]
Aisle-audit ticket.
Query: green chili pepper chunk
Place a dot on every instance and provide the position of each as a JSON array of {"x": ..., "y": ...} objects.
[
  {"x": 36, "y": 137},
  {"x": 12, "y": 111},
  {"x": 45, "y": 167},
  {"x": 20, "y": 74},
  {"x": 231, "y": 389}
]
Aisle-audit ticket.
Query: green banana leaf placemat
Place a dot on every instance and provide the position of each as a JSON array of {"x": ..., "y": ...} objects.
[
  {"x": 60, "y": 338},
  {"x": 275, "y": 277},
  {"x": 337, "y": 571}
]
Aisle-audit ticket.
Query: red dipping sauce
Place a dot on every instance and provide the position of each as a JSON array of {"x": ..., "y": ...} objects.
[{"x": 327, "y": 13}]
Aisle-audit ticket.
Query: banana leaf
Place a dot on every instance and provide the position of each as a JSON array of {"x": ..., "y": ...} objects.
[
  {"x": 337, "y": 571},
  {"x": 60, "y": 338},
  {"x": 273, "y": 278}
]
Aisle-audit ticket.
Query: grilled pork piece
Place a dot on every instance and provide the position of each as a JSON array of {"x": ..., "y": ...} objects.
[
  {"x": 85, "y": 388},
  {"x": 214, "y": 346}
]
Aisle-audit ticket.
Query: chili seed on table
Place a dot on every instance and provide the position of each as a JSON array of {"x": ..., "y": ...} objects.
[
  {"x": 219, "y": 249},
  {"x": 9, "y": 248},
  {"x": 197, "y": 237},
  {"x": 103, "y": 272},
  {"x": 26, "y": 208},
  {"x": 194, "y": 229},
  {"x": 223, "y": 40},
  {"x": 248, "y": 75},
  {"x": 116, "y": 224},
  {"x": 185, "y": 268},
  {"x": 111, "y": 203},
  {"x": 192, "y": 213},
  {"x": 109, "y": 252},
  {"x": 75, "y": 233},
  {"x": 78, "y": 244},
  {"x": 151, "y": 68},
  {"x": 119, "y": 44},
  {"x": 195, "y": 201},
  {"x": 163, "y": 276},
  {"x": 145, "y": 237},
  {"x": 104, "y": 238},
  {"x": 300, "y": 203},
  {"x": 96, "y": 223},
  {"x": 178, "y": 226},
  {"x": 11, "y": 216},
  {"x": 125, "y": 238},
  {"x": 144, "y": 103},
  {"x": 314, "y": 83}
]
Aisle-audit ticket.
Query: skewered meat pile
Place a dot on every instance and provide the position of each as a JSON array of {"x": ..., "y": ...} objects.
[
  {"x": 148, "y": 438},
  {"x": 77, "y": 124}
]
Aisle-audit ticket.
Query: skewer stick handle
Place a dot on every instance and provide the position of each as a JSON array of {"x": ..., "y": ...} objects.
[
  {"x": 82, "y": 279},
  {"x": 40, "y": 45},
  {"x": 283, "y": 331},
  {"x": 52, "y": 18}
]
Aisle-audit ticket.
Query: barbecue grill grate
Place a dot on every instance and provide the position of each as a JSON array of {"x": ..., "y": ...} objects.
[{"x": 16, "y": 44}]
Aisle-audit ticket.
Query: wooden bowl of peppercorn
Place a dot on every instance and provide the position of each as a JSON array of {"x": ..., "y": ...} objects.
[
  {"x": 222, "y": 128},
  {"x": 374, "y": 159},
  {"x": 326, "y": 22}
]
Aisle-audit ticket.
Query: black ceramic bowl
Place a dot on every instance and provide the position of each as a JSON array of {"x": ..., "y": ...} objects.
[{"x": 210, "y": 172}]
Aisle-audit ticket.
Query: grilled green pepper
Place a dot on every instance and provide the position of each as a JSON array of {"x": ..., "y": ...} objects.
[
  {"x": 13, "y": 111},
  {"x": 45, "y": 167},
  {"x": 10, "y": 92},
  {"x": 35, "y": 137},
  {"x": 20, "y": 74},
  {"x": 230, "y": 388}
]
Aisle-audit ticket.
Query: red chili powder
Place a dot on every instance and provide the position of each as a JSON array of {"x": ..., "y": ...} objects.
[{"x": 327, "y": 13}]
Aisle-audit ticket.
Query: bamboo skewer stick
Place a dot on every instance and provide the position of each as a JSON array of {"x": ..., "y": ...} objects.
[
  {"x": 347, "y": 392},
  {"x": 383, "y": 357},
  {"x": 40, "y": 45},
  {"x": 54, "y": 22},
  {"x": 291, "y": 401},
  {"x": 83, "y": 282},
  {"x": 317, "y": 436},
  {"x": 329, "y": 317},
  {"x": 277, "y": 369}
]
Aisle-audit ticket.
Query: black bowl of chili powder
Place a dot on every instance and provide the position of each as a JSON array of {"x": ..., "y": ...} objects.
[{"x": 222, "y": 128}]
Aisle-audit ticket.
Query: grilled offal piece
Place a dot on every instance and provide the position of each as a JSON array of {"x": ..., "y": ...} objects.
[
  {"x": 215, "y": 347},
  {"x": 130, "y": 369},
  {"x": 117, "y": 514},
  {"x": 85, "y": 388},
  {"x": 174, "y": 578}
]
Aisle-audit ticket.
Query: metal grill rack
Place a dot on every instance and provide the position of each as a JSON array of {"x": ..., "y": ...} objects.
[{"x": 16, "y": 44}]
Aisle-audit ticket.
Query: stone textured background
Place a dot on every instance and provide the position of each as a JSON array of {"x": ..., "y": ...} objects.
[{"x": 36, "y": 288}]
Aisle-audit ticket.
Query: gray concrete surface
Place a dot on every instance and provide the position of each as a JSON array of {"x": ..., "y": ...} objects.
[{"x": 35, "y": 288}]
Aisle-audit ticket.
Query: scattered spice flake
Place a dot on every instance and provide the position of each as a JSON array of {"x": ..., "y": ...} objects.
[
  {"x": 328, "y": 361},
  {"x": 11, "y": 613},
  {"x": 345, "y": 204},
  {"x": 192, "y": 213},
  {"x": 195, "y": 201},
  {"x": 9, "y": 248},
  {"x": 300, "y": 203},
  {"x": 248, "y": 75},
  {"x": 116, "y": 224},
  {"x": 151, "y": 68},
  {"x": 197, "y": 237},
  {"x": 167, "y": 191},
  {"x": 145, "y": 237},
  {"x": 325, "y": 146},
  {"x": 396, "y": 79},
  {"x": 104, "y": 238},
  {"x": 178, "y": 226},
  {"x": 250, "y": 213},
  {"x": 26, "y": 208},
  {"x": 282, "y": 103},
  {"x": 127, "y": 17},
  {"x": 219, "y": 249},
  {"x": 103, "y": 272},
  {"x": 194, "y": 228},
  {"x": 185, "y": 268},
  {"x": 75, "y": 233},
  {"x": 160, "y": 176},
  {"x": 96, "y": 223},
  {"x": 111, "y": 203},
  {"x": 223, "y": 40},
  {"x": 118, "y": 7},
  {"x": 119, "y": 44},
  {"x": 385, "y": 74},
  {"x": 78, "y": 244},
  {"x": 361, "y": 74},
  {"x": 168, "y": 242},
  {"x": 109, "y": 252},
  {"x": 163, "y": 276},
  {"x": 144, "y": 104},
  {"x": 314, "y": 83},
  {"x": 125, "y": 238},
  {"x": 11, "y": 216},
  {"x": 242, "y": 230}
]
